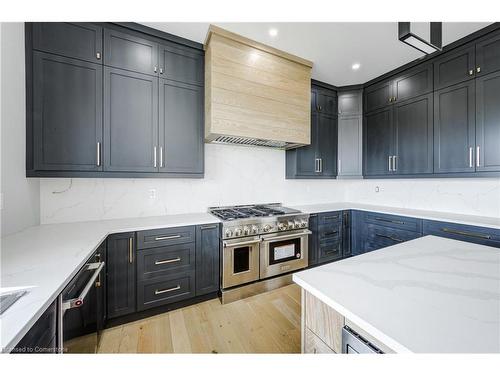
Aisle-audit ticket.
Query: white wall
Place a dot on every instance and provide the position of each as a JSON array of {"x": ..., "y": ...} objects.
[
  {"x": 475, "y": 196},
  {"x": 233, "y": 175},
  {"x": 239, "y": 175},
  {"x": 21, "y": 196}
]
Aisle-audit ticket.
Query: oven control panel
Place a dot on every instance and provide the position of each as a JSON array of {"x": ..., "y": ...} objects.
[{"x": 255, "y": 227}]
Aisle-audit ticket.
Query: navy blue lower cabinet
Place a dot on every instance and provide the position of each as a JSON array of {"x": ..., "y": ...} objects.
[
  {"x": 207, "y": 258},
  {"x": 462, "y": 232},
  {"x": 356, "y": 232},
  {"x": 313, "y": 240}
]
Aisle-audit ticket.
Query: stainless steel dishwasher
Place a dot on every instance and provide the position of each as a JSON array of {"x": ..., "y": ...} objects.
[{"x": 354, "y": 343}]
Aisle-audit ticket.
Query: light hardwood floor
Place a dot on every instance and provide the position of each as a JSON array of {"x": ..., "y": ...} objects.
[{"x": 266, "y": 323}]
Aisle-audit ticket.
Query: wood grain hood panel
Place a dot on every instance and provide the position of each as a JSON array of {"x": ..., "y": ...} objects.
[{"x": 255, "y": 94}]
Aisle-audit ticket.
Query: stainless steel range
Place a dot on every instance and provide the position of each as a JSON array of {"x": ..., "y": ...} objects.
[{"x": 261, "y": 241}]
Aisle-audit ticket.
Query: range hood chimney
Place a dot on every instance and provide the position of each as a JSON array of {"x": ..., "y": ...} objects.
[{"x": 255, "y": 95}]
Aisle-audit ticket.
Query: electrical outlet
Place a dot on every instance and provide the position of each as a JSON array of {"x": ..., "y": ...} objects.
[{"x": 152, "y": 193}]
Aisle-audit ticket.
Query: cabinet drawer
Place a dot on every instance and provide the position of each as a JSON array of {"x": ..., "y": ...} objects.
[
  {"x": 329, "y": 250},
  {"x": 379, "y": 236},
  {"x": 166, "y": 290},
  {"x": 393, "y": 221},
  {"x": 162, "y": 261},
  {"x": 330, "y": 232},
  {"x": 167, "y": 236},
  {"x": 468, "y": 233},
  {"x": 329, "y": 217}
]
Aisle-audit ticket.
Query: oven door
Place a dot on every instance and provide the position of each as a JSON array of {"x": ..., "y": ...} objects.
[
  {"x": 281, "y": 253},
  {"x": 240, "y": 261}
]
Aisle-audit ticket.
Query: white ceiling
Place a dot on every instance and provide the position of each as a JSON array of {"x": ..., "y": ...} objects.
[{"x": 333, "y": 46}]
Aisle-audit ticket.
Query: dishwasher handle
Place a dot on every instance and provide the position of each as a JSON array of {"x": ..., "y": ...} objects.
[{"x": 78, "y": 301}]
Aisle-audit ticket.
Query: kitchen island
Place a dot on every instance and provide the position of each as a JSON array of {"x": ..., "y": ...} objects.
[{"x": 428, "y": 295}]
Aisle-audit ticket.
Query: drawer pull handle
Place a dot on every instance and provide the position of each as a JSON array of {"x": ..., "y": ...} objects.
[
  {"x": 331, "y": 217},
  {"x": 469, "y": 234},
  {"x": 161, "y": 291},
  {"x": 209, "y": 226},
  {"x": 389, "y": 237},
  {"x": 167, "y": 237},
  {"x": 389, "y": 220},
  {"x": 330, "y": 233},
  {"x": 166, "y": 261}
]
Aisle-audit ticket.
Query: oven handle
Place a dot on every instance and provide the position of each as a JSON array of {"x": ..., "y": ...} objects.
[
  {"x": 288, "y": 236},
  {"x": 78, "y": 301},
  {"x": 237, "y": 244}
]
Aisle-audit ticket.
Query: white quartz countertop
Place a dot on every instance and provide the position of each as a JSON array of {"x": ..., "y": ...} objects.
[
  {"x": 482, "y": 221},
  {"x": 428, "y": 295},
  {"x": 46, "y": 257}
]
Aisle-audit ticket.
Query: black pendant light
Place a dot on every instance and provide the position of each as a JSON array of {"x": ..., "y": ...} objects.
[{"x": 427, "y": 47}]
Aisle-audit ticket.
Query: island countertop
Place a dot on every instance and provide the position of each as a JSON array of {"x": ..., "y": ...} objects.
[{"x": 428, "y": 295}]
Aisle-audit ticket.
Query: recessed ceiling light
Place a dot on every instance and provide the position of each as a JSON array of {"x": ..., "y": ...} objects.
[
  {"x": 273, "y": 32},
  {"x": 356, "y": 66}
]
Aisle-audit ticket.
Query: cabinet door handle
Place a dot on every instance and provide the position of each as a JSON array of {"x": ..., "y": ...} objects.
[
  {"x": 471, "y": 72},
  {"x": 167, "y": 237},
  {"x": 316, "y": 165},
  {"x": 390, "y": 99},
  {"x": 155, "y": 69},
  {"x": 161, "y": 156},
  {"x": 98, "y": 154},
  {"x": 161, "y": 291},
  {"x": 478, "y": 163},
  {"x": 166, "y": 261},
  {"x": 468, "y": 234},
  {"x": 130, "y": 250},
  {"x": 161, "y": 70},
  {"x": 470, "y": 158},
  {"x": 320, "y": 165},
  {"x": 154, "y": 156},
  {"x": 390, "y": 163},
  {"x": 478, "y": 69},
  {"x": 98, "y": 55},
  {"x": 394, "y": 168}
]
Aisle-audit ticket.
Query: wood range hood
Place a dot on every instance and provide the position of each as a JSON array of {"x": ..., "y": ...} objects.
[{"x": 255, "y": 95}]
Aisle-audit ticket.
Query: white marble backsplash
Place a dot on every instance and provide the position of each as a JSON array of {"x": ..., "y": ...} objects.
[{"x": 239, "y": 175}]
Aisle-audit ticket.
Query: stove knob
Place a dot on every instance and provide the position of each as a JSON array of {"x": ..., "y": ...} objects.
[
  {"x": 267, "y": 228},
  {"x": 303, "y": 223},
  {"x": 281, "y": 226},
  {"x": 238, "y": 232},
  {"x": 297, "y": 224},
  {"x": 255, "y": 229},
  {"x": 291, "y": 225},
  {"x": 246, "y": 230},
  {"x": 228, "y": 233}
]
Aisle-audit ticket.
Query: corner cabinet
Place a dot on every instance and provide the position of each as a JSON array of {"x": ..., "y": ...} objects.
[
  {"x": 319, "y": 159},
  {"x": 108, "y": 101}
]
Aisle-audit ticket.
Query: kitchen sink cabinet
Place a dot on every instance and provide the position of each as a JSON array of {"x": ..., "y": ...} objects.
[
  {"x": 121, "y": 274},
  {"x": 108, "y": 101},
  {"x": 319, "y": 159}
]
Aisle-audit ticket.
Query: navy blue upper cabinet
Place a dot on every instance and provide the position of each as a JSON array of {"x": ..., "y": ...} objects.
[
  {"x": 414, "y": 138},
  {"x": 378, "y": 141},
  {"x": 77, "y": 40},
  {"x": 454, "y": 67},
  {"x": 454, "y": 130},
  {"x": 319, "y": 159},
  {"x": 130, "y": 52},
  {"x": 182, "y": 64},
  {"x": 488, "y": 55},
  {"x": 181, "y": 128},
  {"x": 488, "y": 122},
  {"x": 67, "y": 114},
  {"x": 413, "y": 83},
  {"x": 378, "y": 96},
  {"x": 130, "y": 121}
]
